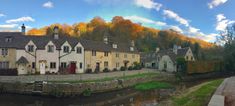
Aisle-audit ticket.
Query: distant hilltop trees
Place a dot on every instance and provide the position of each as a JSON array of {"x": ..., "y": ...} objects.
[{"x": 123, "y": 30}]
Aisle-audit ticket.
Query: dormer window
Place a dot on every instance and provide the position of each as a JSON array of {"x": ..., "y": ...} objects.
[
  {"x": 8, "y": 39},
  {"x": 79, "y": 50},
  {"x": 66, "y": 49},
  {"x": 30, "y": 48},
  {"x": 131, "y": 49},
  {"x": 50, "y": 48},
  {"x": 115, "y": 46},
  {"x": 4, "y": 51}
]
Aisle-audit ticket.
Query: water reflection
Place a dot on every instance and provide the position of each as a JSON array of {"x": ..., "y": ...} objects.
[{"x": 126, "y": 97}]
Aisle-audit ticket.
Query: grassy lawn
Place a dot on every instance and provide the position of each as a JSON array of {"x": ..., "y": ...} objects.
[
  {"x": 110, "y": 78},
  {"x": 197, "y": 97},
  {"x": 152, "y": 85}
]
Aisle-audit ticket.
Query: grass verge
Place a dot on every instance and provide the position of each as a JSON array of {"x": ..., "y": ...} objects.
[
  {"x": 152, "y": 85},
  {"x": 110, "y": 78},
  {"x": 198, "y": 97}
]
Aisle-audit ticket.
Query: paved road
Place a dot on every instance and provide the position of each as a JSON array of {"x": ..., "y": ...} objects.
[
  {"x": 72, "y": 77},
  {"x": 227, "y": 90}
]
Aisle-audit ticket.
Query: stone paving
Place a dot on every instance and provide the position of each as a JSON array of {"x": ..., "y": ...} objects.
[
  {"x": 227, "y": 90},
  {"x": 73, "y": 77}
]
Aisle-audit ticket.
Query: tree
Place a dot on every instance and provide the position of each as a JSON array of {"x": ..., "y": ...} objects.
[
  {"x": 196, "y": 50},
  {"x": 228, "y": 37}
]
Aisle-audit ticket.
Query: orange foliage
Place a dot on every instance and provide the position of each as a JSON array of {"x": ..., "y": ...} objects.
[
  {"x": 203, "y": 66},
  {"x": 36, "y": 32}
]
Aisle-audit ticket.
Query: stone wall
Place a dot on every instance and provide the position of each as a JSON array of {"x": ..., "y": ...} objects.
[{"x": 71, "y": 89}]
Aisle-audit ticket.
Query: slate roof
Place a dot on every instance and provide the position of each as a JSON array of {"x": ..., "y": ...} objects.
[
  {"x": 19, "y": 41},
  {"x": 22, "y": 60}
]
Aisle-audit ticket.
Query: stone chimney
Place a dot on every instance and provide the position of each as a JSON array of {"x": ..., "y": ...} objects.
[
  {"x": 23, "y": 29},
  {"x": 106, "y": 39},
  {"x": 56, "y": 32},
  {"x": 132, "y": 43},
  {"x": 157, "y": 49},
  {"x": 175, "y": 49}
]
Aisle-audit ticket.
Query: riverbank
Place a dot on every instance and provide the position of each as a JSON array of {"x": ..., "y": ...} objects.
[
  {"x": 74, "y": 88},
  {"x": 198, "y": 95}
]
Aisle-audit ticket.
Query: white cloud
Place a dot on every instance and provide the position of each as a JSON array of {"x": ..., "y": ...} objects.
[
  {"x": 215, "y": 3},
  {"x": 48, "y": 4},
  {"x": 175, "y": 16},
  {"x": 149, "y": 4},
  {"x": 176, "y": 28},
  {"x": 8, "y": 26},
  {"x": 2, "y": 15},
  {"x": 21, "y": 19},
  {"x": 193, "y": 30},
  {"x": 206, "y": 37},
  {"x": 222, "y": 22},
  {"x": 145, "y": 20}
]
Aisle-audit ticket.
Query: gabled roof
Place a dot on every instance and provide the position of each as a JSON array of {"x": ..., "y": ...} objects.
[
  {"x": 182, "y": 52},
  {"x": 22, "y": 60}
]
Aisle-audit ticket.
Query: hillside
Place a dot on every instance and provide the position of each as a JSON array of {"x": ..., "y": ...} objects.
[{"x": 122, "y": 30}]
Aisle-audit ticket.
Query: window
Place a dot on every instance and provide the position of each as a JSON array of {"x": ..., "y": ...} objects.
[
  {"x": 133, "y": 56},
  {"x": 8, "y": 39},
  {"x": 186, "y": 57},
  {"x": 93, "y": 53},
  {"x": 115, "y": 46},
  {"x": 79, "y": 50},
  {"x": 4, "y": 51},
  {"x": 117, "y": 65},
  {"x": 125, "y": 55},
  {"x": 105, "y": 64},
  {"x": 66, "y": 49},
  {"x": 33, "y": 65},
  {"x": 63, "y": 65},
  {"x": 30, "y": 48},
  {"x": 106, "y": 54},
  {"x": 53, "y": 65},
  {"x": 80, "y": 65},
  {"x": 117, "y": 55},
  {"x": 4, "y": 65},
  {"x": 191, "y": 58},
  {"x": 50, "y": 48}
]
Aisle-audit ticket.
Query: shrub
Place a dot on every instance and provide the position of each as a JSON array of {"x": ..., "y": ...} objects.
[
  {"x": 123, "y": 68},
  {"x": 106, "y": 70},
  {"x": 130, "y": 68},
  {"x": 88, "y": 70},
  {"x": 37, "y": 73},
  {"x": 87, "y": 92},
  {"x": 115, "y": 69},
  {"x": 137, "y": 66}
]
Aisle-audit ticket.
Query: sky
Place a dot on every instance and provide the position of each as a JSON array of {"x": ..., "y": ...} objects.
[{"x": 203, "y": 19}]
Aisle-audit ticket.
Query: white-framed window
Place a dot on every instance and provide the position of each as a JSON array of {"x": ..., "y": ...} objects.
[
  {"x": 52, "y": 65},
  {"x": 117, "y": 65},
  {"x": 106, "y": 64},
  {"x": 93, "y": 53},
  {"x": 30, "y": 48},
  {"x": 114, "y": 46},
  {"x": 50, "y": 48},
  {"x": 125, "y": 55},
  {"x": 63, "y": 65},
  {"x": 8, "y": 39},
  {"x": 66, "y": 49},
  {"x": 4, "y": 65},
  {"x": 79, "y": 50},
  {"x": 131, "y": 49},
  {"x": 117, "y": 54},
  {"x": 4, "y": 51},
  {"x": 106, "y": 54}
]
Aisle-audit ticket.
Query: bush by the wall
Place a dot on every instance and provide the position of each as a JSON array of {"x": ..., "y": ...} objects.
[
  {"x": 106, "y": 70},
  {"x": 123, "y": 68},
  {"x": 89, "y": 70}
]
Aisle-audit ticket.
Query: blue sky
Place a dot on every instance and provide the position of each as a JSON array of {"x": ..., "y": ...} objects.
[{"x": 202, "y": 19}]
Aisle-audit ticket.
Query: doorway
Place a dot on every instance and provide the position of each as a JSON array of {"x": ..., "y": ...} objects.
[
  {"x": 97, "y": 68},
  {"x": 42, "y": 67},
  {"x": 72, "y": 69}
]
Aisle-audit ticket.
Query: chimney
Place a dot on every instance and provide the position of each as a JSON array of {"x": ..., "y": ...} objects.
[
  {"x": 157, "y": 49},
  {"x": 23, "y": 29},
  {"x": 56, "y": 32},
  {"x": 132, "y": 43},
  {"x": 175, "y": 49},
  {"x": 106, "y": 39}
]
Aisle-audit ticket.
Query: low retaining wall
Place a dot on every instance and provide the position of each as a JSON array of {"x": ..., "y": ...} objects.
[{"x": 71, "y": 89}]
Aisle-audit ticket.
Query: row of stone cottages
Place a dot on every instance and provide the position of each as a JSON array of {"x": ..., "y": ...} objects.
[
  {"x": 166, "y": 59},
  {"x": 53, "y": 53}
]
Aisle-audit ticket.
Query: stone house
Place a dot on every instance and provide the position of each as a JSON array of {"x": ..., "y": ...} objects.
[{"x": 49, "y": 53}]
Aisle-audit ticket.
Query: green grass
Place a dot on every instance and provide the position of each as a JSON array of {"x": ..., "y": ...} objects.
[
  {"x": 152, "y": 85},
  {"x": 199, "y": 97},
  {"x": 110, "y": 78}
]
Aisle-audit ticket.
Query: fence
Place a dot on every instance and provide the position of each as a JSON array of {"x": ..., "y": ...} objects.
[{"x": 203, "y": 67}]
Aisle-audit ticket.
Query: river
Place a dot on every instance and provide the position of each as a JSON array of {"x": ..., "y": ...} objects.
[{"x": 124, "y": 97}]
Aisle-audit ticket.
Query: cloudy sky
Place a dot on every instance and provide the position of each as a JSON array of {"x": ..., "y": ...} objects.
[{"x": 202, "y": 19}]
